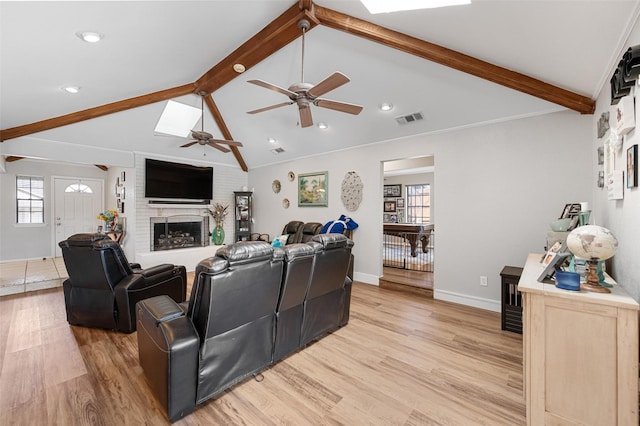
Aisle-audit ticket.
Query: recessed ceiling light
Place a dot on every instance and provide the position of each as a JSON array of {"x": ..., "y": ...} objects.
[
  {"x": 71, "y": 89},
  {"x": 386, "y": 106},
  {"x": 239, "y": 68},
  {"x": 322, "y": 125},
  {"x": 271, "y": 140},
  {"x": 90, "y": 36}
]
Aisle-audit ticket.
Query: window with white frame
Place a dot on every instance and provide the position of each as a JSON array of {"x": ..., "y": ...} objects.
[
  {"x": 29, "y": 199},
  {"x": 418, "y": 203}
]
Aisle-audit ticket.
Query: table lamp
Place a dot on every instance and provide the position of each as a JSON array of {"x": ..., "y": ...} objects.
[{"x": 592, "y": 243}]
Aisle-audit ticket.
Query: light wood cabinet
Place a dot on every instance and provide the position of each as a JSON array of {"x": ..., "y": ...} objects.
[{"x": 580, "y": 353}]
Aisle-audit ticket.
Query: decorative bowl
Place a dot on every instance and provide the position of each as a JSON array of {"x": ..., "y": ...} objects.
[
  {"x": 560, "y": 225},
  {"x": 568, "y": 280}
]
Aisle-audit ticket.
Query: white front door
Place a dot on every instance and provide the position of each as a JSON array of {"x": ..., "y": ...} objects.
[{"x": 77, "y": 202}]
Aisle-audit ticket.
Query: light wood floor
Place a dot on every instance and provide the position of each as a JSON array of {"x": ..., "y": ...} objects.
[
  {"x": 415, "y": 282},
  {"x": 401, "y": 360}
]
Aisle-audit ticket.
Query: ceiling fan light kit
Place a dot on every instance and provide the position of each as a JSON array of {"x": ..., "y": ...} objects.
[{"x": 305, "y": 94}]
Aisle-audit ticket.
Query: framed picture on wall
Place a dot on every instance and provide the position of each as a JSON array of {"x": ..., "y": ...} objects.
[
  {"x": 632, "y": 166},
  {"x": 392, "y": 190},
  {"x": 312, "y": 189},
  {"x": 389, "y": 206},
  {"x": 400, "y": 202}
]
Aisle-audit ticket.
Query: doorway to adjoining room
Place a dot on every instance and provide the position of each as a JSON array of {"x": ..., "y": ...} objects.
[{"x": 408, "y": 240}]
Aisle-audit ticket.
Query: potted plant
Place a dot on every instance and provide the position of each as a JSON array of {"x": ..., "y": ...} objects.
[{"x": 218, "y": 213}]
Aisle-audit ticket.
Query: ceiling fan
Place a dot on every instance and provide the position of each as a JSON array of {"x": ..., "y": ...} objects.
[
  {"x": 205, "y": 138},
  {"x": 305, "y": 94}
]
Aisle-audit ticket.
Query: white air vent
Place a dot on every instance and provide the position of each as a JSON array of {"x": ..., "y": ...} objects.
[
  {"x": 277, "y": 151},
  {"x": 406, "y": 119}
]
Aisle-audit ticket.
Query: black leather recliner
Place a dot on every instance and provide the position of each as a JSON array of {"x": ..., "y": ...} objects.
[
  {"x": 226, "y": 335},
  {"x": 298, "y": 264},
  {"x": 324, "y": 306},
  {"x": 309, "y": 230},
  {"x": 250, "y": 306},
  {"x": 103, "y": 288},
  {"x": 294, "y": 230}
]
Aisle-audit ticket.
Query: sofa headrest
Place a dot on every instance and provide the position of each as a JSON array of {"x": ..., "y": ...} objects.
[
  {"x": 293, "y": 251},
  {"x": 83, "y": 240},
  {"x": 312, "y": 228},
  {"x": 332, "y": 241},
  {"x": 248, "y": 251},
  {"x": 292, "y": 227}
]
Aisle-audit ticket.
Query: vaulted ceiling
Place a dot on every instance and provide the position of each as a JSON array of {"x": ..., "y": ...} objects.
[{"x": 458, "y": 66}]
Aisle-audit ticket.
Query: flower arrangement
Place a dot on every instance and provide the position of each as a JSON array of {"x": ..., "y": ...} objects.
[
  {"x": 108, "y": 215},
  {"x": 218, "y": 213}
]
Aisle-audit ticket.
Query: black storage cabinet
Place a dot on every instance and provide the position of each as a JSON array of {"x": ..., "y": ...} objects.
[{"x": 511, "y": 299}]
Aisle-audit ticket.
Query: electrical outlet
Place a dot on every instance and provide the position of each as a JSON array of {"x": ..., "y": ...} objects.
[{"x": 483, "y": 281}]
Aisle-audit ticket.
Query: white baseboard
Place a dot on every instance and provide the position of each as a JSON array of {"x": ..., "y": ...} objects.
[
  {"x": 463, "y": 299},
  {"x": 365, "y": 278}
]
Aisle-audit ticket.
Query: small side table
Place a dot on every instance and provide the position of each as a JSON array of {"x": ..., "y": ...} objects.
[{"x": 511, "y": 299}]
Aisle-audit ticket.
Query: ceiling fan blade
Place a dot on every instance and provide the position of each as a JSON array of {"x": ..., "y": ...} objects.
[
  {"x": 218, "y": 147},
  {"x": 226, "y": 142},
  {"x": 334, "y": 81},
  {"x": 270, "y": 86},
  {"x": 188, "y": 144},
  {"x": 255, "y": 111},
  {"x": 338, "y": 106},
  {"x": 305, "y": 116}
]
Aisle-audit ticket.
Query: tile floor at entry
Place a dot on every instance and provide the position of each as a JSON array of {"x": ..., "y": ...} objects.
[{"x": 30, "y": 275}]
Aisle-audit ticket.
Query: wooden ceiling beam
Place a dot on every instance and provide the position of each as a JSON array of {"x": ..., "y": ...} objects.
[
  {"x": 217, "y": 116},
  {"x": 455, "y": 60},
  {"x": 87, "y": 114},
  {"x": 277, "y": 34}
]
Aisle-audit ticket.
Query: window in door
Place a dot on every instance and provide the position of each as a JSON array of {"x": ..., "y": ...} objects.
[
  {"x": 418, "y": 203},
  {"x": 29, "y": 199}
]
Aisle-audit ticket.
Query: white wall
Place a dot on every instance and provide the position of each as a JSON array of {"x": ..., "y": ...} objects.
[
  {"x": 622, "y": 217},
  {"x": 498, "y": 187},
  {"x": 20, "y": 242}
]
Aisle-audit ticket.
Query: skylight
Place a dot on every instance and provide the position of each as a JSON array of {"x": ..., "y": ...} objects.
[
  {"x": 386, "y": 6},
  {"x": 178, "y": 119}
]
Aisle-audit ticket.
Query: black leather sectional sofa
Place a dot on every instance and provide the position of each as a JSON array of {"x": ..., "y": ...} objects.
[{"x": 251, "y": 305}]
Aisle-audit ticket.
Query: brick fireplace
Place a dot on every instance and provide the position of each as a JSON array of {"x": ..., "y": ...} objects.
[{"x": 180, "y": 231}]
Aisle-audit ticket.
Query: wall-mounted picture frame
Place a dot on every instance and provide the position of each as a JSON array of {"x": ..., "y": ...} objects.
[
  {"x": 123, "y": 176},
  {"x": 389, "y": 206},
  {"x": 122, "y": 193},
  {"x": 632, "y": 166},
  {"x": 601, "y": 179},
  {"x": 400, "y": 202},
  {"x": 392, "y": 190},
  {"x": 313, "y": 189}
]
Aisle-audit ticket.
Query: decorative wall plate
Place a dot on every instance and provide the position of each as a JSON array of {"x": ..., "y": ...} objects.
[
  {"x": 285, "y": 203},
  {"x": 291, "y": 176},
  {"x": 276, "y": 186},
  {"x": 351, "y": 191}
]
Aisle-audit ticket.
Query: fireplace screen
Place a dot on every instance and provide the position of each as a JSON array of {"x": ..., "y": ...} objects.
[{"x": 175, "y": 232}]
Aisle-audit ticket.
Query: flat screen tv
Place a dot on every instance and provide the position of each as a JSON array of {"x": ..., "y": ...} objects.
[{"x": 177, "y": 181}]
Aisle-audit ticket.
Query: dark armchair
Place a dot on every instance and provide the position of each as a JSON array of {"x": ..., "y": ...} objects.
[
  {"x": 294, "y": 231},
  {"x": 310, "y": 229},
  {"x": 103, "y": 287}
]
